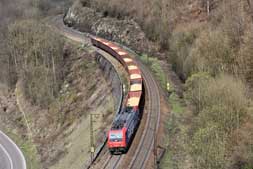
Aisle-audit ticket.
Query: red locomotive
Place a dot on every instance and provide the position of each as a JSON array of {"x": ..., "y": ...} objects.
[{"x": 127, "y": 120}]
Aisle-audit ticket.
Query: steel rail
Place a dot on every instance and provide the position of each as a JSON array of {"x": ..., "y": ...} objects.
[
  {"x": 143, "y": 151},
  {"x": 112, "y": 162}
]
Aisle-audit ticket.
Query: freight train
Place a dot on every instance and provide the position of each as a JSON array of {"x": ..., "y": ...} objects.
[{"x": 126, "y": 122}]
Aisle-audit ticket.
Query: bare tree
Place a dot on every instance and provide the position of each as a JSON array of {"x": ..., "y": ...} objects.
[
  {"x": 208, "y": 4},
  {"x": 36, "y": 54},
  {"x": 208, "y": 7}
]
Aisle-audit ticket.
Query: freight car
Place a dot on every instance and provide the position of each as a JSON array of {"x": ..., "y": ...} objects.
[{"x": 126, "y": 122}]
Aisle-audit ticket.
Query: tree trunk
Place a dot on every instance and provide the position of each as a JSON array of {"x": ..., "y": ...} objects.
[
  {"x": 208, "y": 7},
  {"x": 54, "y": 74}
]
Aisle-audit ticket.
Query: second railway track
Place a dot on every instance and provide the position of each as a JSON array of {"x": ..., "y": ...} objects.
[
  {"x": 112, "y": 162},
  {"x": 145, "y": 147},
  {"x": 146, "y": 143}
]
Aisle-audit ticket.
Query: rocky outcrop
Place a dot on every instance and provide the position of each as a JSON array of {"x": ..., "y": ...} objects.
[{"x": 126, "y": 31}]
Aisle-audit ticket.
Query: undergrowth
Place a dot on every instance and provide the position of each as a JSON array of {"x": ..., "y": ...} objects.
[{"x": 154, "y": 65}]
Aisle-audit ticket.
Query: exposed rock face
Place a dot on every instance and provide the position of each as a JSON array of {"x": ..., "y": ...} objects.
[
  {"x": 81, "y": 18},
  {"x": 127, "y": 31}
]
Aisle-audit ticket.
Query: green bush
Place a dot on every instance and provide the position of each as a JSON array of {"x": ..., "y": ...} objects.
[
  {"x": 156, "y": 68},
  {"x": 221, "y": 108},
  {"x": 222, "y": 99},
  {"x": 212, "y": 53},
  {"x": 208, "y": 147},
  {"x": 180, "y": 47},
  {"x": 195, "y": 90}
]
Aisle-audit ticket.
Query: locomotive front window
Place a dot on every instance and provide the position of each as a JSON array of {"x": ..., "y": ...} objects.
[
  {"x": 116, "y": 136},
  {"x": 128, "y": 109}
]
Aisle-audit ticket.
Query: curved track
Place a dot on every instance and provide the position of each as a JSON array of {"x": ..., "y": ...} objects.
[
  {"x": 145, "y": 146},
  {"x": 11, "y": 156}
]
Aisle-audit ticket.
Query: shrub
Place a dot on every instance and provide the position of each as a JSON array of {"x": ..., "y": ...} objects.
[
  {"x": 180, "y": 46},
  {"x": 208, "y": 147},
  {"x": 156, "y": 68},
  {"x": 222, "y": 99},
  {"x": 212, "y": 53},
  {"x": 222, "y": 107},
  {"x": 195, "y": 90}
]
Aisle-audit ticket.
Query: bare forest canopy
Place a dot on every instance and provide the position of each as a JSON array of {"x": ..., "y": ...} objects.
[
  {"x": 31, "y": 51},
  {"x": 192, "y": 31},
  {"x": 209, "y": 43}
]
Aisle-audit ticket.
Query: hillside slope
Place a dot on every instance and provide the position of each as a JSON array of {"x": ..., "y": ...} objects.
[
  {"x": 66, "y": 119},
  {"x": 48, "y": 87},
  {"x": 209, "y": 44}
]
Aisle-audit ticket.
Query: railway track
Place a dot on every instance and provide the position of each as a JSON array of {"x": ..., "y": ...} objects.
[
  {"x": 146, "y": 144},
  {"x": 112, "y": 162}
]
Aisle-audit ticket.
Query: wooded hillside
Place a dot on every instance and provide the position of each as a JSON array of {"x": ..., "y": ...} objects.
[{"x": 209, "y": 43}]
